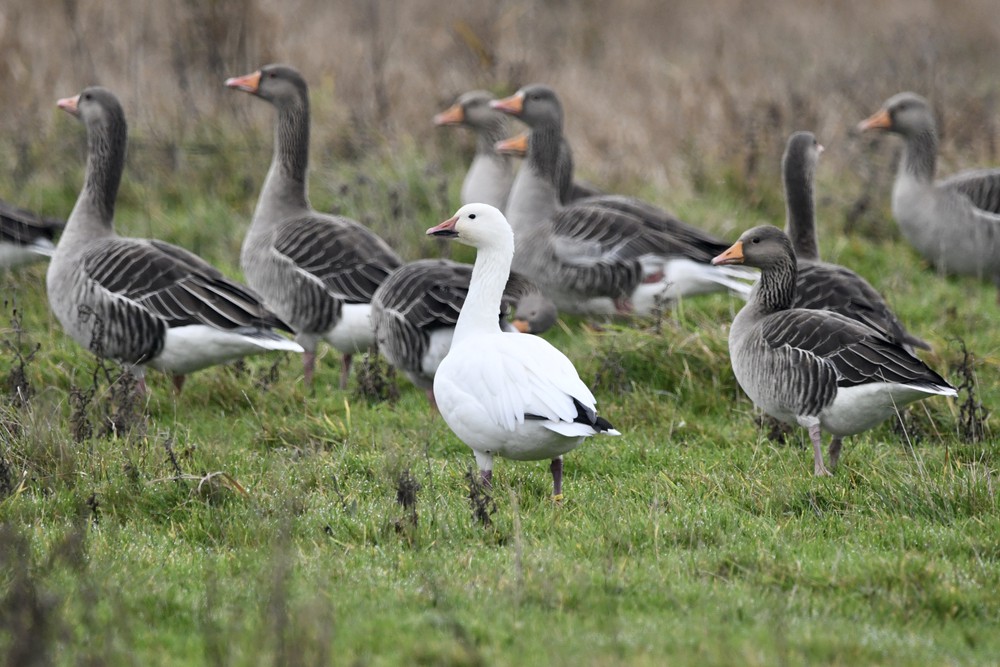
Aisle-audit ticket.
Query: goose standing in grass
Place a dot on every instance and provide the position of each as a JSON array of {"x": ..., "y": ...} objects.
[
  {"x": 415, "y": 311},
  {"x": 144, "y": 302},
  {"x": 955, "y": 223},
  {"x": 317, "y": 271},
  {"x": 815, "y": 368},
  {"x": 604, "y": 254},
  {"x": 507, "y": 394},
  {"x": 820, "y": 284},
  {"x": 25, "y": 237}
]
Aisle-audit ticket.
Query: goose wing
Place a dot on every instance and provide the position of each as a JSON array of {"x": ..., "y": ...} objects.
[
  {"x": 173, "y": 285},
  {"x": 818, "y": 342},
  {"x": 347, "y": 258},
  {"x": 823, "y": 286},
  {"x": 22, "y": 227},
  {"x": 981, "y": 186}
]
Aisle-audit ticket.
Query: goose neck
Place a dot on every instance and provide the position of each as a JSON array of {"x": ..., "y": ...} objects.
[
  {"x": 800, "y": 211},
  {"x": 480, "y": 313},
  {"x": 776, "y": 288},
  {"x": 94, "y": 211},
  {"x": 286, "y": 185},
  {"x": 920, "y": 155},
  {"x": 543, "y": 152},
  {"x": 488, "y": 134}
]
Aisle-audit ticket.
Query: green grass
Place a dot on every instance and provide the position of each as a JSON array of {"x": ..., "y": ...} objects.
[{"x": 249, "y": 522}]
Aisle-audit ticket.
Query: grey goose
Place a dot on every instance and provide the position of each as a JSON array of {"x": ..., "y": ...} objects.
[
  {"x": 491, "y": 173},
  {"x": 25, "y": 237},
  {"x": 821, "y": 284},
  {"x": 143, "y": 302},
  {"x": 414, "y": 313},
  {"x": 603, "y": 254},
  {"x": 815, "y": 368},
  {"x": 502, "y": 393},
  {"x": 318, "y": 272},
  {"x": 955, "y": 223}
]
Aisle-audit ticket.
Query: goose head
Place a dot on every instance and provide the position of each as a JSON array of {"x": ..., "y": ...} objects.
[
  {"x": 95, "y": 106},
  {"x": 472, "y": 109},
  {"x": 536, "y": 105},
  {"x": 477, "y": 225},
  {"x": 905, "y": 113},
  {"x": 536, "y": 313},
  {"x": 280, "y": 85},
  {"x": 801, "y": 154},
  {"x": 764, "y": 247}
]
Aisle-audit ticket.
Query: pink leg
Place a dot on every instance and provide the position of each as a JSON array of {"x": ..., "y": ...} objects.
[
  {"x": 817, "y": 439},
  {"x": 623, "y": 306},
  {"x": 835, "y": 451},
  {"x": 308, "y": 365},
  {"x": 345, "y": 371},
  {"x": 430, "y": 399}
]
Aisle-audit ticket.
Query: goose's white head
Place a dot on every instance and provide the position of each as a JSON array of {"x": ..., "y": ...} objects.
[{"x": 478, "y": 225}]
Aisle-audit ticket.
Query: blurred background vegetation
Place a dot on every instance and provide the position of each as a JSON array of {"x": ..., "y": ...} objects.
[{"x": 672, "y": 99}]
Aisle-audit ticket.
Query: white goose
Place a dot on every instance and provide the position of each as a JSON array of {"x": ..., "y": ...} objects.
[
  {"x": 317, "y": 271},
  {"x": 815, "y": 368},
  {"x": 955, "y": 223},
  {"x": 605, "y": 254},
  {"x": 144, "y": 302},
  {"x": 506, "y": 394},
  {"x": 25, "y": 237},
  {"x": 415, "y": 310}
]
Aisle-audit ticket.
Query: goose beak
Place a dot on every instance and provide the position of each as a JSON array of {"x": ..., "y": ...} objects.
[
  {"x": 70, "y": 105},
  {"x": 513, "y": 105},
  {"x": 513, "y": 146},
  {"x": 732, "y": 256},
  {"x": 446, "y": 229},
  {"x": 248, "y": 83},
  {"x": 521, "y": 325},
  {"x": 879, "y": 120},
  {"x": 453, "y": 115}
]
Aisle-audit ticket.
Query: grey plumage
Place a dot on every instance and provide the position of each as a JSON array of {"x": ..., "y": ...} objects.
[
  {"x": 954, "y": 224},
  {"x": 815, "y": 368},
  {"x": 308, "y": 266},
  {"x": 820, "y": 284},
  {"x": 602, "y": 246},
  {"x": 121, "y": 297},
  {"x": 422, "y": 300}
]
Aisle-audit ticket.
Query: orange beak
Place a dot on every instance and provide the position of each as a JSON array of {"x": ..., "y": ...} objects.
[
  {"x": 521, "y": 325},
  {"x": 248, "y": 83},
  {"x": 513, "y": 105},
  {"x": 446, "y": 229},
  {"x": 514, "y": 146},
  {"x": 70, "y": 105},
  {"x": 734, "y": 255},
  {"x": 879, "y": 120},
  {"x": 453, "y": 115}
]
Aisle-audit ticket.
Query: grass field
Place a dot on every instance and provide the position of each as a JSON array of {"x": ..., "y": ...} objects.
[
  {"x": 247, "y": 521},
  {"x": 250, "y": 522}
]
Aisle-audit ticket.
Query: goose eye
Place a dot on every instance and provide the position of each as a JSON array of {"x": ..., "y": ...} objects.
[
  {"x": 472, "y": 216},
  {"x": 755, "y": 240},
  {"x": 86, "y": 96}
]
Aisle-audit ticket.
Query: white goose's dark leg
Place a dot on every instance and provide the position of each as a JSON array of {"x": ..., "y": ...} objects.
[
  {"x": 817, "y": 439},
  {"x": 835, "y": 451},
  {"x": 487, "y": 477},
  {"x": 179, "y": 382},
  {"x": 557, "y": 469},
  {"x": 430, "y": 399},
  {"x": 345, "y": 371}
]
